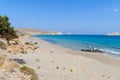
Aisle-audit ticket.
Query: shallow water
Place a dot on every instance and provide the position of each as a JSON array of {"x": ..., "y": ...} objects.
[{"x": 109, "y": 44}]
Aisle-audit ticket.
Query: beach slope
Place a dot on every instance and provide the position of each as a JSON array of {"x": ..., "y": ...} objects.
[{"x": 52, "y": 62}]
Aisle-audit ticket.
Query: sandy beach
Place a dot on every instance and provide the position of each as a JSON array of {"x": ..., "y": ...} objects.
[
  {"x": 59, "y": 39},
  {"x": 52, "y": 62}
]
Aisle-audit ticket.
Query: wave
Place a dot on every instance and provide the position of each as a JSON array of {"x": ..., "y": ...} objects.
[
  {"x": 113, "y": 52},
  {"x": 109, "y": 51}
]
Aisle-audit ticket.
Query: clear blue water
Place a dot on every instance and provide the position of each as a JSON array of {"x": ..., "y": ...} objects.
[{"x": 109, "y": 44}]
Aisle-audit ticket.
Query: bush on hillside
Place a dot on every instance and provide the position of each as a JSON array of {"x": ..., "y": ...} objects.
[
  {"x": 3, "y": 45},
  {"x": 29, "y": 71}
]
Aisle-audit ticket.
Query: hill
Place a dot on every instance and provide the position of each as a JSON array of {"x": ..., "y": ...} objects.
[{"x": 36, "y": 31}]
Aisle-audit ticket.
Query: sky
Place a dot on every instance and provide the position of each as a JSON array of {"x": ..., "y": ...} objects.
[{"x": 75, "y": 16}]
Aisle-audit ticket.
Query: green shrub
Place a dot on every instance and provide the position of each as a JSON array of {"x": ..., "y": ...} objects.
[
  {"x": 35, "y": 43},
  {"x": 27, "y": 43},
  {"x": 57, "y": 67},
  {"x": 6, "y": 31},
  {"x": 38, "y": 67},
  {"x": 71, "y": 70},
  {"x": 23, "y": 52},
  {"x": 51, "y": 51},
  {"x": 29, "y": 71},
  {"x": 37, "y": 60},
  {"x": 36, "y": 48},
  {"x": 2, "y": 44}
]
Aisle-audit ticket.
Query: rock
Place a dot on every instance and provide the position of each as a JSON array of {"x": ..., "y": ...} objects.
[{"x": 92, "y": 50}]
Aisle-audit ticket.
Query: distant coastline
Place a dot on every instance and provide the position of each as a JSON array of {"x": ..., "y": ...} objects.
[
  {"x": 37, "y": 31},
  {"x": 114, "y": 34}
]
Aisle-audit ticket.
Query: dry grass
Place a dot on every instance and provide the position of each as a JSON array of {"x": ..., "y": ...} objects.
[
  {"x": 29, "y": 71},
  {"x": 37, "y": 60},
  {"x": 57, "y": 67},
  {"x": 35, "y": 43},
  {"x": 51, "y": 51},
  {"x": 2, "y": 59},
  {"x": 28, "y": 43},
  {"x": 3, "y": 45},
  {"x": 10, "y": 65},
  {"x": 6, "y": 64},
  {"x": 38, "y": 67}
]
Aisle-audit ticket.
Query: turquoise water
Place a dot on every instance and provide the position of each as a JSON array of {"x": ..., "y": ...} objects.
[{"x": 109, "y": 44}]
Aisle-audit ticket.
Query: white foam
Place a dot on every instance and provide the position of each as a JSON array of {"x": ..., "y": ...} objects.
[{"x": 113, "y": 52}]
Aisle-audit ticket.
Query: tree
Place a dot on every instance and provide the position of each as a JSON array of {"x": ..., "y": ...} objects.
[{"x": 6, "y": 31}]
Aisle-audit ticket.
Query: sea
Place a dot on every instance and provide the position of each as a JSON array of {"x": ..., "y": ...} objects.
[{"x": 109, "y": 44}]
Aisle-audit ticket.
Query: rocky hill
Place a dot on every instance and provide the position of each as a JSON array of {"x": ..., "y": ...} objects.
[{"x": 36, "y": 31}]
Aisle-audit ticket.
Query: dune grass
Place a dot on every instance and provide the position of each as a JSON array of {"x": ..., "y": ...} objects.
[
  {"x": 3, "y": 45},
  {"x": 29, "y": 71}
]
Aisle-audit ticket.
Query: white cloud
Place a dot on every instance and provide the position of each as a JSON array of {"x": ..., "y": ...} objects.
[{"x": 116, "y": 10}]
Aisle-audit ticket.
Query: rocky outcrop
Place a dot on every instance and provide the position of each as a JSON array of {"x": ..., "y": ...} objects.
[{"x": 92, "y": 50}]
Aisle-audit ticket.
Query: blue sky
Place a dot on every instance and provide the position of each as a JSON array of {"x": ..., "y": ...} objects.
[{"x": 76, "y": 16}]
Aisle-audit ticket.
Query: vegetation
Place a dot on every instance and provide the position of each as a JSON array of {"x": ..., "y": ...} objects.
[
  {"x": 2, "y": 44},
  {"x": 36, "y": 48},
  {"x": 2, "y": 59},
  {"x": 37, "y": 60},
  {"x": 29, "y": 71},
  {"x": 28, "y": 43},
  {"x": 23, "y": 52},
  {"x": 38, "y": 67},
  {"x": 35, "y": 43},
  {"x": 51, "y": 51},
  {"x": 71, "y": 70},
  {"x": 6, "y": 31},
  {"x": 57, "y": 67}
]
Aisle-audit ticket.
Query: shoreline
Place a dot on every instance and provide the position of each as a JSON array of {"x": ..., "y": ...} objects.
[
  {"x": 53, "y": 62},
  {"x": 102, "y": 57},
  {"x": 107, "y": 64},
  {"x": 102, "y": 46}
]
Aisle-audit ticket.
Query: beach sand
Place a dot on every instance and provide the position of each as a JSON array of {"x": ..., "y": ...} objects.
[{"x": 52, "y": 62}]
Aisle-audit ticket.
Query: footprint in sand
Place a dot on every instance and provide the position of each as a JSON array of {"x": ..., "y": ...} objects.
[
  {"x": 73, "y": 68},
  {"x": 83, "y": 68},
  {"x": 52, "y": 61},
  {"x": 94, "y": 77}
]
